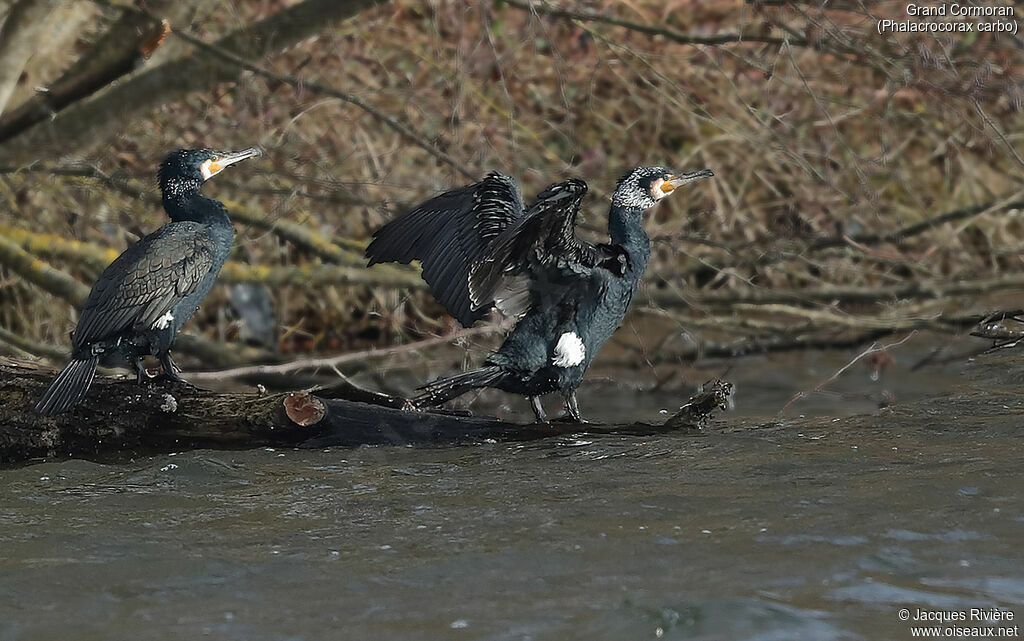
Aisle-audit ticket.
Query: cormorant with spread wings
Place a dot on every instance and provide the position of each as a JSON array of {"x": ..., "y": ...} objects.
[{"x": 479, "y": 250}]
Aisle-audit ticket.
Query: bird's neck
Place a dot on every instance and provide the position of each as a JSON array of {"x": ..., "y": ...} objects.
[
  {"x": 625, "y": 226},
  {"x": 196, "y": 208}
]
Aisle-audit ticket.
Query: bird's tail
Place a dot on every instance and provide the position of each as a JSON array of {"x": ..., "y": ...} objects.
[
  {"x": 69, "y": 387},
  {"x": 443, "y": 389}
]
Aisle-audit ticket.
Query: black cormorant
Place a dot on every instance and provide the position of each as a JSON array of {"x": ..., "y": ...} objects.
[
  {"x": 142, "y": 298},
  {"x": 479, "y": 250}
]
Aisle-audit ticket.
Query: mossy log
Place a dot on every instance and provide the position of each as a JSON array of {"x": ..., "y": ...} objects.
[{"x": 120, "y": 419}]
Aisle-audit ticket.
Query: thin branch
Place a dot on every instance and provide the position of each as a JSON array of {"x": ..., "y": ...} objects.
[
  {"x": 898, "y": 235},
  {"x": 845, "y": 294},
  {"x": 296, "y": 234},
  {"x": 388, "y": 121},
  {"x": 26, "y": 346},
  {"x": 874, "y": 349},
  {"x": 17, "y": 248},
  {"x": 794, "y": 39},
  {"x": 338, "y": 250},
  {"x": 334, "y": 361},
  {"x": 542, "y": 8}
]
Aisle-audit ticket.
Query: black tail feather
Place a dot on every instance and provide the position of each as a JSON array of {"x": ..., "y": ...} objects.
[
  {"x": 68, "y": 388},
  {"x": 444, "y": 389}
]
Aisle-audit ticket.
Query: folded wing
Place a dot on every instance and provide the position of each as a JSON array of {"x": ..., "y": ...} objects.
[{"x": 139, "y": 289}]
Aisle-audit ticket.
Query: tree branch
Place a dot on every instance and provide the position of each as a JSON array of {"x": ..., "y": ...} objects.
[
  {"x": 89, "y": 122},
  {"x": 341, "y": 359},
  {"x": 388, "y": 276},
  {"x": 388, "y": 121},
  {"x": 115, "y": 54},
  {"x": 794, "y": 39},
  {"x": 844, "y": 294},
  {"x": 544, "y": 9},
  {"x": 41, "y": 274},
  {"x": 341, "y": 251},
  {"x": 298, "y": 235},
  {"x": 18, "y": 38}
]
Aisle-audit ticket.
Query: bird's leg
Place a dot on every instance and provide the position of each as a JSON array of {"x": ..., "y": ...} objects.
[
  {"x": 573, "y": 407},
  {"x": 140, "y": 371},
  {"x": 170, "y": 369},
  {"x": 538, "y": 409}
]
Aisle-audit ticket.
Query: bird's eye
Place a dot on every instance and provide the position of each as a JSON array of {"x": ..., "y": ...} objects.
[{"x": 215, "y": 158}]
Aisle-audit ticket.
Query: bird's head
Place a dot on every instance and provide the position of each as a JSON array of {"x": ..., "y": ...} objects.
[
  {"x": 184, "y": 171},
  {"x": 643, "y": 187}
]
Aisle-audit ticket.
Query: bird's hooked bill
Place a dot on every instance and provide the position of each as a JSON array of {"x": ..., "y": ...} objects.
[
  {"x": 231, "y": 157},
  {"x": 213, "y": 166},
  {"x": 683, "y": 178}
]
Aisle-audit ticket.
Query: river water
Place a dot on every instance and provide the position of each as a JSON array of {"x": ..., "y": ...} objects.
[{"x": 767, "y": 526}]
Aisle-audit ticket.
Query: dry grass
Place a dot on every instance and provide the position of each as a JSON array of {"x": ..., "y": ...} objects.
[{"x": 847, "y": 134}]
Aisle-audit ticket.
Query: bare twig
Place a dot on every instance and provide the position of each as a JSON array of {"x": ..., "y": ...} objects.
[
  {"x": 848, "y": 294},
  {"x": 543, "y": 8},
  {"x": 18, "y": 246},
  {"x": 338, "y": 250},
  {"x": 26, "y": 346},
  {"x": 389, "y": 121},
  {"x": 874, "y": 349},
  {"x": 334, "y": 361}
]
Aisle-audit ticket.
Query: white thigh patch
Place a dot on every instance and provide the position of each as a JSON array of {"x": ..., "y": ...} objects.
[
  {"x": 569, "y": 350},
  {"x": 163, "y": 321}
]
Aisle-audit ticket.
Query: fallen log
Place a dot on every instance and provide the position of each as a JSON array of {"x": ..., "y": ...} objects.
[{"x": 121, "y": 419}]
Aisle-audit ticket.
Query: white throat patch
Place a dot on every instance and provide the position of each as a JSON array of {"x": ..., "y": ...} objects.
[
  {"x": 569, "y": 351},
  {"x": 163, "y": 321}
]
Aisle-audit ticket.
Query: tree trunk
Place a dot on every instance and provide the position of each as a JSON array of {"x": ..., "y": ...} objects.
[{"x": 120, "y": 419}]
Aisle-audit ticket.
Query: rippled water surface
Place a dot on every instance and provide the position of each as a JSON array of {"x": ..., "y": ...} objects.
[{"x": 815, "y": 528}]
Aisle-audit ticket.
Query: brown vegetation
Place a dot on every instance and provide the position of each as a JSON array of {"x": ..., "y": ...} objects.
[{"x": 866, "y": 184}]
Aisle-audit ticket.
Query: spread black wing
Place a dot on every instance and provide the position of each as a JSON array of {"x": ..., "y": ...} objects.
[
  {"x": 448, "y": 234},
  {"x": 146, "y": 281},
  {"x": 539, "y": 254}
]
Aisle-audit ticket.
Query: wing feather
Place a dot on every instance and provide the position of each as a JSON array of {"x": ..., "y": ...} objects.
[
  {"x": 448, "y": 234},
  {"x": 145, "y": 282},
  {"x": 540, "y": 252}
]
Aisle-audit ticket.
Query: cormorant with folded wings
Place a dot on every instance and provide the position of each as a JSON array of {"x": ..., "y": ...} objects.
[{"x": 142, "y": 299}]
